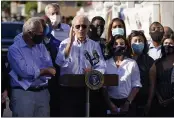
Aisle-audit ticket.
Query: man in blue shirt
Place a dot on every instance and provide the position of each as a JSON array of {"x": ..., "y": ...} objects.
[
  {"x": 60, "y": 30},
  {"x": 72, "y": 60},
  {"x": 31, "y": 67}
]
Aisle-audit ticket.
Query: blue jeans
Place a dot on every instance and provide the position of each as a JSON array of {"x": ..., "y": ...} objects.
[{"x": 30, "y": 104}]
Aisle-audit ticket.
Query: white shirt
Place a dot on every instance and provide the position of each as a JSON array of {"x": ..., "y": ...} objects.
[
  {"x": 129, "y": 77},
  {"x": 62, "y": 33},
  {"x": 76, "y": 62},
  {"x": 154, "y": 52}
]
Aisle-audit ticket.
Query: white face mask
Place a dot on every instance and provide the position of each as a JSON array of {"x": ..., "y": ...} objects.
[
  {"x": 55, "y": 20},
  {"x": 118, "y": 31}
]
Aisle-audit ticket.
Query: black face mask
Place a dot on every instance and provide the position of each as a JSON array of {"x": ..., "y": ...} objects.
[
  {"x": 95, "y": 32},
  {"x": 37, "y": 39},
  {"x": 157, "y": 36},
  {"x": 168, "y": 49},
  {"x": 118, "y": 51}
]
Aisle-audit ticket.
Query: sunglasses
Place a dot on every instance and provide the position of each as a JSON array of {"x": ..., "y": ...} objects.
[{"x": 82, "y": 26}]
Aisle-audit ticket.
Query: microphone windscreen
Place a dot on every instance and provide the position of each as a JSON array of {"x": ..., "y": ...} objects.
[
  {"x": 87, "y": 56},
  {"x": 95, "y": 54}
]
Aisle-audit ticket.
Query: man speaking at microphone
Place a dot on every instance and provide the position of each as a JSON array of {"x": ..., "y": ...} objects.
[{"x": 72, "y": 60}]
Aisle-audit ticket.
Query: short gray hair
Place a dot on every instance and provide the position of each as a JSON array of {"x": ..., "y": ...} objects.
[
  {"x": 81, "y": 16},
  {"x": 54, "y": 5},
  {"x": 32, "y": 24}
]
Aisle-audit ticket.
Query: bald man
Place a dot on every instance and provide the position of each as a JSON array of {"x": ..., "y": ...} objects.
[
  {"x": 71, "y": 60},
  {"x": 167, "y": 31}
]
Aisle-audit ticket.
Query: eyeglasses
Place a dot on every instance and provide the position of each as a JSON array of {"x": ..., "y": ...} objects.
[{"x": 83, "y": 26}]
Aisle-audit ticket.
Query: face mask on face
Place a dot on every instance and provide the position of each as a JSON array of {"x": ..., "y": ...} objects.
[
  {"x": 119, "y": 50},
  {"x": 100, "y": 30},
  {"x": 118, "y": 31},
  {"x": 168, "y": 49},
  {"x": 37, "y": 39},
  {"x": 55, "y": 20},
  {"x": 47, "y": 30},
  {"x": 137, "y": 48},
  {"x": 95, "y": 32},
  {"x": 157, "y": 36}
]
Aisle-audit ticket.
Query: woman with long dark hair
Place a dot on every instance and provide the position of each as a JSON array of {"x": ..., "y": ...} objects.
[
  {"x": 165, "y": 80},
  {"x": 121, "y": 96},
  {"x": 138, "y": 43},
  {"x": 115, "y": 26}
]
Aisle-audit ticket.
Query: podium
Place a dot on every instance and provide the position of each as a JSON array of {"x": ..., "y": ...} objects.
[{"x": 81, "y": 80}]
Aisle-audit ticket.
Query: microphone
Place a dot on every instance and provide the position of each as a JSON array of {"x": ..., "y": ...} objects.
[
  {"x": 88, "y": 57},
  {"x": 96, "y": 57}
]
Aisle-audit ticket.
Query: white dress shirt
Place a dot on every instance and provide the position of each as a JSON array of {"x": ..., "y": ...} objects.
[
  {"x": 76, "y": 62},
  {"x": 62, "y": 33},
  {"x": 129, "y": 77},
  {"x": 154, "y": 52}
]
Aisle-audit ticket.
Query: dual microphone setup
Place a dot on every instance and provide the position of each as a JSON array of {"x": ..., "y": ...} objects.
[{"x": 93, "y": 61}]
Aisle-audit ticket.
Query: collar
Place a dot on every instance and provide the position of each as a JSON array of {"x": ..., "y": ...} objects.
[
  {"x": 152, "y": 46},
  {"x": 112, "y": 61},
  {"x": 59, "y": 27},
  {"x": 79, "y": 42},
  {"x": 22, "y": 42}
]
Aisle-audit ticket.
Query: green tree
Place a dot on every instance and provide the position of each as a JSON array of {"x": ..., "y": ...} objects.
[
  {"x": 30, "y": 6},
  {"x": 5, "y": 5}
]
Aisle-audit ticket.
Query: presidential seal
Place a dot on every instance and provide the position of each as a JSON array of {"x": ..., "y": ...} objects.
[{"x": 94, "y": 80}]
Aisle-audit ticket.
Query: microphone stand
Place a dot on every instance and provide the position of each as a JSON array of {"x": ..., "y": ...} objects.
[
  {"x": 88, "y": 90},
  {"x": 87, "y": 102},
  {"x": 88, "y": 96}
]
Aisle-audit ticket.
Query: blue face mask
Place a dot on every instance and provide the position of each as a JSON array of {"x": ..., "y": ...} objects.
[
  {"x": 118, "y": 31},
  {"x": 137, "y": 48},
  {"x": 47, "y": 30}
]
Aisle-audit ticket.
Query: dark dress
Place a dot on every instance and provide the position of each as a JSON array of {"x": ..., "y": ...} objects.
[{"x": 166, "y": 90}]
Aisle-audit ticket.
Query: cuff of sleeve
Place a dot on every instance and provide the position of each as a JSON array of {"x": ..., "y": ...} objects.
[
  {"x": 62, "y": 61},
  {"x": 137, "y": 86},
  {"x": 66, "y": 61}
]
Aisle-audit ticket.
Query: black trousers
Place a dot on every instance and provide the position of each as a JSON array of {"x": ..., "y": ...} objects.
[{"x": 120, "y": 102}]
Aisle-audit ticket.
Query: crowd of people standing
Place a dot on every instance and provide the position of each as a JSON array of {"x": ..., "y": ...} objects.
[{"x": 47, "y": 49}]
